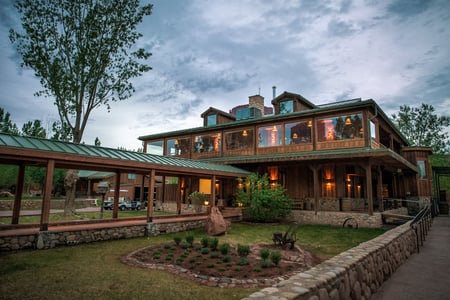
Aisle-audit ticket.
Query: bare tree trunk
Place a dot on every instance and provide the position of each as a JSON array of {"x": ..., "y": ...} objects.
[{"x": 70, "y": 184}]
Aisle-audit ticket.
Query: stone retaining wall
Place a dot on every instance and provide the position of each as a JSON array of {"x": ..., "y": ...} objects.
[
  {"x": 354, "y": 274},
  {"x": 55, "y": 238},
  {"x": 336, "y": 218},
  {"x": 37, "y": 204}
]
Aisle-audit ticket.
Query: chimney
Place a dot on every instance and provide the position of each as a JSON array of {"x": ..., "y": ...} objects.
[
  {"x": 274, "y": 91},
  {"x": 256, "y": 101}
]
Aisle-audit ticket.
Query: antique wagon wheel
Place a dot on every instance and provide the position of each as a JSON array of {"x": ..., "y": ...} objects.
[{"x": 350, "y": 222}]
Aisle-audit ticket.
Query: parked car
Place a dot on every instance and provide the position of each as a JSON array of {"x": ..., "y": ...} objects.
[
  {"x": 125, "y": 205},
  {"x": 108, "y": 205}
]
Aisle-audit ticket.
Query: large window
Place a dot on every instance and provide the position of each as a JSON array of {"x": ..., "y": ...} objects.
[
  {"x": 239, "y": 140},
  {"x": 297, "y": 133},
  {"x": 207, "y": 143},
  {"x": 422, "y": 170},
  {"x": 156, "y": 147},
  {"x": 178, "y": 146},
  {"x": 270, "y": 136},
  {"x": 286, "y": 106},
  {"x": 340, "y": 128}
]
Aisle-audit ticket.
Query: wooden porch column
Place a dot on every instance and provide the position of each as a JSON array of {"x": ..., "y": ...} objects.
[
  {"x": 18, "y": 197},
  {"x": 315, "y": 169},
  {"x": 179, "y": 195},
  {"x": 46, "y": 199},
  {"x": 380, "y": 189},
  {"x": 141, "y": 194},
  {"x": 151, "y": 188},
  {"x": 368, "y": 169},
  {"x": 213, "y": 190},
  {"x": 116, "y": 196}
]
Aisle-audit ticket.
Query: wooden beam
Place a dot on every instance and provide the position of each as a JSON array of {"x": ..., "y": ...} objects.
[
  {"x": 315, "y": 169},
  {"x": 18, "y": 196},
  {"x": 116, "y": 196},
  {"x": 46, "y": 200},
  {"x": 151, "y": 188}
]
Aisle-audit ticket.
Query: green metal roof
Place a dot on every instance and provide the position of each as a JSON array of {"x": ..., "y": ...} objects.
[
  {"x": 32, "y": 143},
  {"x": 316, "y": 110}
]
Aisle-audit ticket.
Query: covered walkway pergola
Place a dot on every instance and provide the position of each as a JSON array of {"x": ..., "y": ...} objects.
[{"x": 28, "y": 151}]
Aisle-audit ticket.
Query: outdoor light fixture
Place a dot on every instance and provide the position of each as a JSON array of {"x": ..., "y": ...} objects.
[
  {"x": 348, "y": 121},
  {"x": 102, "y": 188},
  {"x": 244, "y": 133}
]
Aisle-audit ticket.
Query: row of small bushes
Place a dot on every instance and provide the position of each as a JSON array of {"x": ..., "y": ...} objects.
[{"x": 207, "y": 244}]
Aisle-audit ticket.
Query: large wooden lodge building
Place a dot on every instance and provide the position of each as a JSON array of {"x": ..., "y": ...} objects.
[{"x": 339, "y": 156}]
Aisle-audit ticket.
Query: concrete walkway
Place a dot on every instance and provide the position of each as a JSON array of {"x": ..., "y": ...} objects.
[{"x": 425, "y": 275}]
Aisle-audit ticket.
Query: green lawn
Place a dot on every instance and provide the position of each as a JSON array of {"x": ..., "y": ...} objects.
[{"x": 94, "y": 271}]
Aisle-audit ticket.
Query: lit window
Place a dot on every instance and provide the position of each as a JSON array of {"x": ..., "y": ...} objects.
[
  {"x": 177, "y": 147},
  {"x": 239, "y": 140},
  {"x": 270, "y": 136},
  {"x": 297, "y": 133},
  {"x": 207, "y": 143},
  {"x": 340, "y": 128}
]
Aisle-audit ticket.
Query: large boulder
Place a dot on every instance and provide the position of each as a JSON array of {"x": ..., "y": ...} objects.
[{"x": 216, "y": 224}]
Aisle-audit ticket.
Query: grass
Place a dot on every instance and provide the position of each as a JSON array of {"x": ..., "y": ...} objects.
[{"x": 95, "y": 271}]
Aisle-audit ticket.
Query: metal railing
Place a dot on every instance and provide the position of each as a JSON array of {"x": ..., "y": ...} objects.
[{"x": 421, "y": 225}]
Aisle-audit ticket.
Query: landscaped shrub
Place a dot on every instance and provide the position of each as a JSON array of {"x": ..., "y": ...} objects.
[
  {"x": 243, "y": 250},
  {"x": 226, "y": 258},
  {"x": 184, "y": 245},
  {"x": 214, "y": 254},
  {"x": 198, "y": 247},
  {"x": 177, "y": 240},
  {"x": 213, "y": 243},
  {"x": 244, "y": 261},
  {"x": 264, "y": 253},
  {"x": 264, "y": 264},
  {"x": 205, "y": 241},
  {"x": 190, "y": 239},
  {"x": 205, "y": 250},
  {"x": 224, "y": 248},
  {"x": 275, "y": 257},
  {"x": 167, "y": 246},
  {"x": 262, "y": 201}
]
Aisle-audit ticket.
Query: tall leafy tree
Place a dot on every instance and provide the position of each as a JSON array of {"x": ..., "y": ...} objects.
[
  {"x": 6, "y": 125},
  {"x": 34, "y": 128},
  {"x": 422, "y": 127},
  {"x": 85, "y": 55},
  {"x": 83, "y": 52}
]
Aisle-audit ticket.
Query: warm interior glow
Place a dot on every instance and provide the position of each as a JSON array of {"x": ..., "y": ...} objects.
[
  {"x": 205, "y": 186},
  {"x": 309, "y": 123},
  {"x": 273, "y": 173},
  {"x": 274, "y": 128},
  {"x": 348, "y": 121},
  {"x": 244, "y": 133}
]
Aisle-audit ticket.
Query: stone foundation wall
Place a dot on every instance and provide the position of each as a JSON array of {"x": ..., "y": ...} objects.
[
  {"x": 354, "y": 274},
  {"x": 55, "y": 238},
  {"x": 37, "y": 204},
  {"x": 336, "y": 218}
]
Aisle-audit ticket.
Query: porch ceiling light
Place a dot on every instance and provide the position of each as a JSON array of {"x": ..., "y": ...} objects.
[{"x": 348, "y": 121}]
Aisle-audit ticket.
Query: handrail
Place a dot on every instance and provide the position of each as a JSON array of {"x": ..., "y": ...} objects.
[{"x": 421, "y": 225}]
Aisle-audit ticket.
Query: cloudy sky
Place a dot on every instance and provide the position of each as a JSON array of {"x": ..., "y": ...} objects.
[{"x": 217, "y": 53}]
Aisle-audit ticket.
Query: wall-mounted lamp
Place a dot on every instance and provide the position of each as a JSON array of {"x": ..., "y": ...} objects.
[
  {"x": 244, "y": 133},
  {"x": 348, "y": 121}
]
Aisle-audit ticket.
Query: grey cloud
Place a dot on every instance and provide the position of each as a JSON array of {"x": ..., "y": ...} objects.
[
  {"x": 409, "y": 8},
  {"x": 340, "y": 28}
]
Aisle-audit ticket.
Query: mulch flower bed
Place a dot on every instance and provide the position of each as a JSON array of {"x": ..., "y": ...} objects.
[{"x": 211, "y": 266}]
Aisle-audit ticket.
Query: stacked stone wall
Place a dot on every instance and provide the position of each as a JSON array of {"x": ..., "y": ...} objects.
[
  {"x": 55, "y": 238},
  {"x": 336, "y": 218},
  {"x": 354, "y": 274},
  {"x": 37, "y": 204}
]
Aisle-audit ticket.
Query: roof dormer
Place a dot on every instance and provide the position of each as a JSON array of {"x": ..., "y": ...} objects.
[
  {"x": 213, "y": 116},
  {"x": 288, "y": 103}
]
